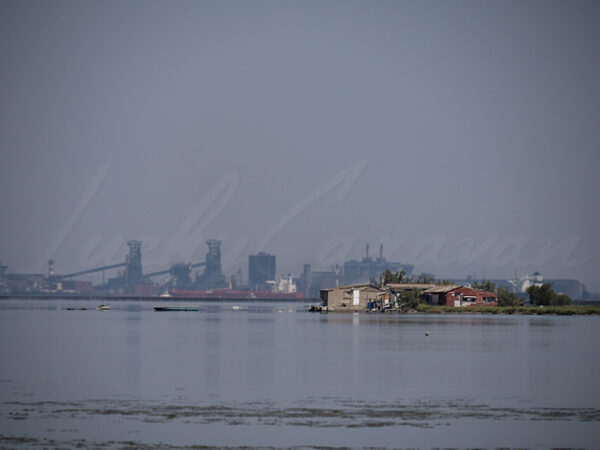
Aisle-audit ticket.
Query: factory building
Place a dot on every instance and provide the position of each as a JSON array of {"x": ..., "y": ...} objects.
[
  {"x": 261, "y": 268},
  {"x": 362, "y": 271},
  {"x": 311, "y": 283},
  {"x": 3, "y": 287}
]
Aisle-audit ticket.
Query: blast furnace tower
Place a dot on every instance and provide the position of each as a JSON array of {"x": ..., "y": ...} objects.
[
  {"x": 133, "y": 265},
  {"x": 213, "y": 274}
]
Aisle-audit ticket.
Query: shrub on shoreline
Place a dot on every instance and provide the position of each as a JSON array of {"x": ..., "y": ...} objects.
[{"x": 529, "y": 310}]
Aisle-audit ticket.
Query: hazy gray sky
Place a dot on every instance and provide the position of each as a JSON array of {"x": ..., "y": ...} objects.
[{"x": 462, "y": 135}]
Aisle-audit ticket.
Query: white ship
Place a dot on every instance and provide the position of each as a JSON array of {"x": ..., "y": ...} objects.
[
  {"x": 524, "y": 282},
  {"x": 285, "y": 285}
]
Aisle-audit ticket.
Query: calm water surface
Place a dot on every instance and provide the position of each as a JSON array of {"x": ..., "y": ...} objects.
[{"x": 272, "y": 375}]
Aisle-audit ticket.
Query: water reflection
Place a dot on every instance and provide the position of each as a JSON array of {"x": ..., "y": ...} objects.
[
  {"x": 267, "y": 365},
  {"x": 208, "y": 354},
  {"x": 133, "y": 354}
]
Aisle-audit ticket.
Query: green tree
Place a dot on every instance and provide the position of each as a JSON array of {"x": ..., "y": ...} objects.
[
  {"x": 409, "y": 299},
  {"x": 562, "y": 300},
  {"x": 425, "y": 278},
  {"x": 390, "y": 277},
  {"x": 484, "y": 285},
  {"x": 401, "y": 277},
  {"x": 544, "y": 295},
  {"x": 507, "y": 298},
  {"x": 540, "y": 295}
]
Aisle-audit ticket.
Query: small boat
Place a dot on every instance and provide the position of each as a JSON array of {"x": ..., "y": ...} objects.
[
  {"x": 236, "y": 308},
  {"x": 76, "y": 309},
  {"x": 103, "y": 307},
  {"x": 176, "y": 308}
]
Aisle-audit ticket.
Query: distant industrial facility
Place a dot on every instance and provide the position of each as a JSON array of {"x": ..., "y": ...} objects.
[
  {"x": 212, "y": 283},
  {"x": 351, "y": 272},
  {"x": 261, "y": 268},
  {"x": 132, "y": 281}
]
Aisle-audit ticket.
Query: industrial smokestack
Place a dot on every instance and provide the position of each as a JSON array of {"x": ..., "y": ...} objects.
[
  {"x": 367, "y": 251},
  {"x": 380, "y": 251},
  {"x": 307, "y": 280}
]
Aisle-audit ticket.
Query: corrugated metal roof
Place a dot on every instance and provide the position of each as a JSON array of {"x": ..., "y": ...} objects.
[
  {"x": 441, "y": 289},
  {"x": 359, "y": 286},
  {"x": 473, "y": 291},
  {"x": 410, "y": 286}
]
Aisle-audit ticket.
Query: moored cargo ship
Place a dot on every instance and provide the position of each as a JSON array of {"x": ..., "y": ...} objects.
[{"x": 235, "y": 294}]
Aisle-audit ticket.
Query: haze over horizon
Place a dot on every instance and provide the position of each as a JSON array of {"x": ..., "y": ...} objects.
[{"x": 463, "y": 136}]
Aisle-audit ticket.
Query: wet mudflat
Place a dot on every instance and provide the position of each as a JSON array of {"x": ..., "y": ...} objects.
[{"x": 272, "y": 375}]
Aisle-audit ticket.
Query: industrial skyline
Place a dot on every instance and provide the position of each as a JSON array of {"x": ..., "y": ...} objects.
[
  {"x": 463, "y": 136},
  {"x": 299, "y": 224},
  {"x": 263, "y": 279}
]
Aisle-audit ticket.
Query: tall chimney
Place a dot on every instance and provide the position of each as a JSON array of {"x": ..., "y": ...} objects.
[{"x": 307, "y": 280}]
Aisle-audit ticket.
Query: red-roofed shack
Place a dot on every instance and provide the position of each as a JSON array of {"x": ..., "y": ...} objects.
[{"x": 459, "y": 296}]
